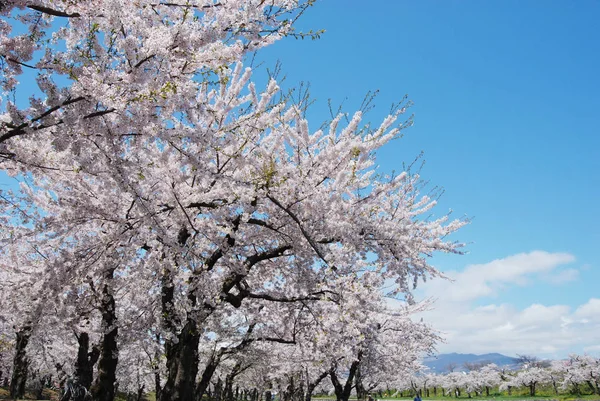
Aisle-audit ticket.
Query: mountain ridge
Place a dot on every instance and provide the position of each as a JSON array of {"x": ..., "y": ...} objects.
[{"x": 443, "y": 363}]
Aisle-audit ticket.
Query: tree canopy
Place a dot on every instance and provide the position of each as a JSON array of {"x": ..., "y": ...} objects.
[{"x": 185, "y": 219}]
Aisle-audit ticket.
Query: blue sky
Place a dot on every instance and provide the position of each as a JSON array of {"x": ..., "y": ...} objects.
[{"x": 507, "y": 110}]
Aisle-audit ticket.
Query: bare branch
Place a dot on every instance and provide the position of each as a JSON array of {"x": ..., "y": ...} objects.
[
  {"x": 20, "y": 130},
  {"x": 308, "y": 238},
  {"x": 56, "y": 13}
]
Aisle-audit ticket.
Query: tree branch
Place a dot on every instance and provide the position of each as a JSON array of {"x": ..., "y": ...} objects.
[
  {"x": 312, "y": 243},
  {"x": 56, "y": 13},
  {"x": 20, "y": 130},
  {"x": 187, "y": 5},
  {"x": 12, "y": 60},
  {"x": 310, "y": 297}
]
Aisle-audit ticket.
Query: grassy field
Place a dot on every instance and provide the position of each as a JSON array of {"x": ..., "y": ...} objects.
[
  {"x": 494, "y": 397},
  {"x": 54, "y": 395},
  {"x": 47, "y": 394}
]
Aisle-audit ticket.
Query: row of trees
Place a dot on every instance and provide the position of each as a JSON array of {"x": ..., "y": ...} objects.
[
  {"x": 177, "y": 229},
  {"x": 577, "y": 375}
]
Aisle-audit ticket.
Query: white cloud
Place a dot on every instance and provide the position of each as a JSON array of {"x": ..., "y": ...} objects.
[
  {"x": 562, "y": 277},
  {"x": 537, "y": 314},
  {"x": 538, "y": 329},
  {"x": 543, "y": 330},
  {"x": 482, "y": 280},
  {"x": 590, "y": 310},
  {"x": 592, "y": 348}
]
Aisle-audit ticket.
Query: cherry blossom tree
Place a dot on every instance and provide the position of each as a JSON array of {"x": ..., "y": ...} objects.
[
  {"x": 489, "y": 377},
  {"x": 163, "y": 181},
  {"x": 581, "y": 369},
  {"x": 530, "y": 377}
]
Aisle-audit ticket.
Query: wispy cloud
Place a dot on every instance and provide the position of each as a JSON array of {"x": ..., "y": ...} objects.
[
  {"x": 545, "y": 330},
  {"x": 480, "y": 280},
  {"x": 562, "y": 277}
]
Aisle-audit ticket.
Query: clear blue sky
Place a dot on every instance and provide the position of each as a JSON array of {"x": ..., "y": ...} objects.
[{"x": 507, "y": 111}]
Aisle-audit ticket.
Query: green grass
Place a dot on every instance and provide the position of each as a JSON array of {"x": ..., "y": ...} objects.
[
  {"x": 47, "y": 394},
  {"x": 503, "y": 397}
]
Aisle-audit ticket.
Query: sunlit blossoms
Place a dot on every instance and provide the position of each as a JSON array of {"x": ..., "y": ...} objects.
[{"x": 182, "y": 227}]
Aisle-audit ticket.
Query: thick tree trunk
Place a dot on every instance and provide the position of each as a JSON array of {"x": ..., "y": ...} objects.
[
  {"x": 182, "y": 364},
  {"x": 207, "y": 375},
  {"x": 342, "y": 393},
  {"x": 311, "y": 386},
  {"x": 104, "y": 388},
  {"x": 20, "y": 363},
  {"x": 182, "y": 356},
  {"x": 229, "y": 383},
  {"x": 84, "y": 365},
  {"x": 361, "y": 393},
  {"x": 217, "y": 396},
  {"x": 157, "y": 387}
]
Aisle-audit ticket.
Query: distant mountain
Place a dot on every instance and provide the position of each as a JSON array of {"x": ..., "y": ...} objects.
[{"x": 441, "y": 363}]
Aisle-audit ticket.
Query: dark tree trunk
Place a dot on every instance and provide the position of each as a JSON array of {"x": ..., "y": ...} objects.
[
  {"x": 268, "y": 395},
  {"x": 84, "y": 365},
  {"x": 182, "y": 356},
  {"x": 140, "y": 393},
  {"x": 361, "y": 393},
  {"x": 20, "y": 364},
  {"x": 218, "y": 393},
  {"x": 156, "y": 366},
  {"x": 182, "y": 364},
  {"x": 301, "y": 392},
  {"x": 157, "y": 387},
  {"x": 594, "y": 385},
  {"x": 229, "y": 383},
  {"x": 38, "y": 386},
  {"x": 104, "y": 388},
  {"x": 207, "y": 375},
  {"x": 576, "y": 389},
  {"x": 342, "y": 393}
]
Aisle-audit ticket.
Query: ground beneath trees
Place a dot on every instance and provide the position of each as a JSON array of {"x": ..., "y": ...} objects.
[{"x": 47, "y": 394}]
